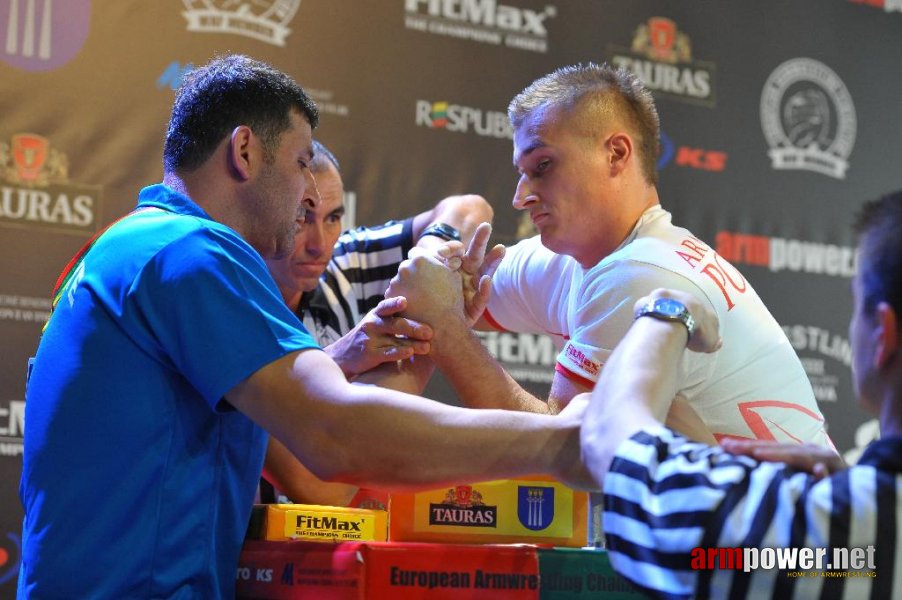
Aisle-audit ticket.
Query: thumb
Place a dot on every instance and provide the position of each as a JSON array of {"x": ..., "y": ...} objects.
[{"x": 391, "y": 306}]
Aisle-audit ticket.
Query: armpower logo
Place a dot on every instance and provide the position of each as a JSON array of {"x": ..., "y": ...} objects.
[
  {"x": 779, "y": 254},
  {"x": 35, "y": 190},
  {"x": 886, "y": 5},
  {"x": 463, "y": 506},
  {"x": 263, "y": 20},
  {"x": 661, "y": 56}
]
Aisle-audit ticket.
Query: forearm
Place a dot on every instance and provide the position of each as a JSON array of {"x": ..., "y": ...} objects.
[
  {"x": 338, "y": 352},
  {"x": 390, "y": 440},
  {"x": 464, "y": 213},
  {"x": 394, "y": 442},
  {"x": 477, "y": 377},
  {"x": 409, "y": 376},
  {"x": 635, "y": 390}
]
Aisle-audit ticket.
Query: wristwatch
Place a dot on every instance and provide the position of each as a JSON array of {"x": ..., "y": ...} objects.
[
  {"x": 668, "y": 309},
  {"x": 443, "y": 231}
]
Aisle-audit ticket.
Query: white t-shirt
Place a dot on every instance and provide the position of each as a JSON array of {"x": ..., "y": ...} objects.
[{"x": 754, "y": 387}]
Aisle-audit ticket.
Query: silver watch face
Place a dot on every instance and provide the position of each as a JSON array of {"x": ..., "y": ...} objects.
[{"x": 669, "y": 307}]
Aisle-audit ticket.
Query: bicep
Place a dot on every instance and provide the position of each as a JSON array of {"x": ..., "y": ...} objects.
[{"x": 294, "y": 398}]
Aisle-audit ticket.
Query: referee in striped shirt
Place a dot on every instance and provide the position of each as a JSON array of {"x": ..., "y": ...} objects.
[
  {"x": 675, "y": 509},
  {"x": 335, "y": 282}
]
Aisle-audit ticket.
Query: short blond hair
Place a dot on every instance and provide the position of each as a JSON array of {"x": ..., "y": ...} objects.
[{"x": 614, "y": 91}]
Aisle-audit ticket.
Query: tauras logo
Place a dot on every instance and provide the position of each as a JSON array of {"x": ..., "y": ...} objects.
[
  {"x": 35, "y": 187},
  {"x": 661, "y": 56},
  {"x": 463, "y": 119},
  {"x": 473, "y": 516},
  {"x": 486, "y": 12},
  {"x": 463, "y": 506}
]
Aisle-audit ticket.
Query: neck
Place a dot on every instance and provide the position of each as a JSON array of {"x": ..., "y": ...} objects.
[
  {"x": 628, "y": 222},
  {"x": 292, "y": 298},
  {"x": 207, "y": 192}
]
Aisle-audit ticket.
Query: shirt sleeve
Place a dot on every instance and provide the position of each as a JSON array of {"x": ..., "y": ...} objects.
[
  {"x": 603, "y": 312},
  {"x": 206, "y": 306},
  {"x": 529, "y": 290},
  {"x": 366, "y": 258},
  {"x": 666, "y": 497}
]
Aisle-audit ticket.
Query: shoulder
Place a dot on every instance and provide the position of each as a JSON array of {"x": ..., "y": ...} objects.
[
  {"x": 530, "y": 255},
  {"x": 179, "y": 243}
]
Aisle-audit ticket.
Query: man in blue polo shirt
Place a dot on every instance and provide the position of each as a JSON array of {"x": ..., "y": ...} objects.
[{"x": 170, "y": 351}]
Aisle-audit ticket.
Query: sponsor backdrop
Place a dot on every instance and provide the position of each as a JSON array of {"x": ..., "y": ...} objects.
[{"x": 779, "y": 120}]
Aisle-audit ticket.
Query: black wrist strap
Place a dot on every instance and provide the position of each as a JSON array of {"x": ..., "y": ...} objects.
[{"x": 443, "y": 231}]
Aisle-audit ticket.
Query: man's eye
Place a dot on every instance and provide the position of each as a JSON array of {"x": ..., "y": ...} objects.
[{"x": 542, "y": 166}]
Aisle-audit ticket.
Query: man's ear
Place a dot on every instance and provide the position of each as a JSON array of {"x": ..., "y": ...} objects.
[
  {"x": 620, "y": 148},
  {"x": 239, "y": 154},
  {"x": 887, "y": 335}
]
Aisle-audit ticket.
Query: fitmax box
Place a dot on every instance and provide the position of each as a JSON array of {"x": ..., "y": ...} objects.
[
  {"x": 317, "y": 523},
  {"x": 531, "y": 510}
]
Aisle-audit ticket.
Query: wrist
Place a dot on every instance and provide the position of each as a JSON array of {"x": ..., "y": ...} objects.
[
  {"x": 338, "y": 356},
  {"x": 443, "y": 231},
  {"x": 668, "y": 310},
  {"x": 451, "y": 335}
]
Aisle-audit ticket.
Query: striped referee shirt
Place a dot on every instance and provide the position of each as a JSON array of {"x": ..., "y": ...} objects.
[
  {"x": 665, "y": 497},
  {"x": 363, "y": 262}
]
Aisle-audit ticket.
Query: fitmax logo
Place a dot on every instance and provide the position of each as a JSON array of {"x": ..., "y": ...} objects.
[
  {"x": 487, "y": 13},
  {"x": 327, "y": 523}
]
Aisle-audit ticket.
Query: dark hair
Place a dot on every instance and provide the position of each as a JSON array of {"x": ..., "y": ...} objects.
[
  {"x": 879, "y": 229},
  {"x": 617, "y": 91},
  {"x": 227, "y": 92},
  {"x": 321, "y": 155}
]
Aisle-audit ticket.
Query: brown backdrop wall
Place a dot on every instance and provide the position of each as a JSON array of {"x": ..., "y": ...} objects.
[{"x": 780, "y": 119}]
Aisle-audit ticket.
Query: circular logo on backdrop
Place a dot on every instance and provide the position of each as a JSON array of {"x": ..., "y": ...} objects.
[
  {"x": 808, "y": 118},
  {"x": 42, "y": 35},
  {"x": 264, "y": 20}
]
